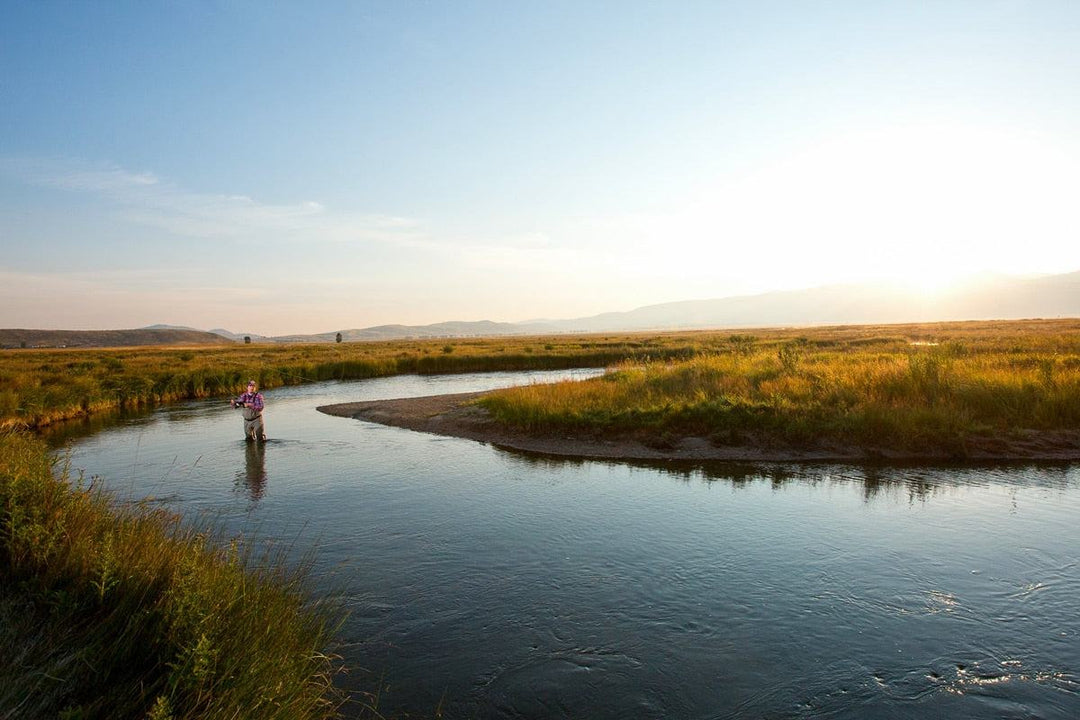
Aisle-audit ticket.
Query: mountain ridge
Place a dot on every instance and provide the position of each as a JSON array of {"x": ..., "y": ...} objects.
[{"x": 988, "y": 297}]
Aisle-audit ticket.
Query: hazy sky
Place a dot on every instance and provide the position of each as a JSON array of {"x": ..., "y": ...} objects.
[{"x": 278, "y": 167}]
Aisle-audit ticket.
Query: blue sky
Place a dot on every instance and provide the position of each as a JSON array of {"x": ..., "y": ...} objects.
[{"x": 305, "y": 167}]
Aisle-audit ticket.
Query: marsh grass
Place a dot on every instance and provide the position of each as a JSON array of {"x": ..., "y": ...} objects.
[
  {"x": 123, "y": 611},
  {"x": 970, "y": 380}
]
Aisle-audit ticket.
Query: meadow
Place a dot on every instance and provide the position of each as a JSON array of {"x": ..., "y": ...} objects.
[
  {"x": 40, "y": 387},
  {"x": 936, "y": 388},
  {"x": 923, "y": 385}
]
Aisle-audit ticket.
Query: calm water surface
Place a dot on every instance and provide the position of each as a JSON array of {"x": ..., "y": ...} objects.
[{"x": 497, "y": 585}]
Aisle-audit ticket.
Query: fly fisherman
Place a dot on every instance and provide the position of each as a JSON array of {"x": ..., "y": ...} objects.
[{"x": 251, "y": 407}]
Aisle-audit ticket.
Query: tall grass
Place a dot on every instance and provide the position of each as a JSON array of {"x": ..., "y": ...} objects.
[
  {"x": 901, "y": 393},
  {"x": 38, "y": 387},
  {"x": 121, "y": 611}
]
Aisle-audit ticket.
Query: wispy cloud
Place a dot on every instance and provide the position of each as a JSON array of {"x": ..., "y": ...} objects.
[
  {"x": 107, "y": 180},
  {"x": 146, "y": 199}
]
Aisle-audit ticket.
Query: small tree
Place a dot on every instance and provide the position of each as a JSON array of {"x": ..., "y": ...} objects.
[
  {"x": 247, "y": 339},
  {"x": 338, "y": 338}
]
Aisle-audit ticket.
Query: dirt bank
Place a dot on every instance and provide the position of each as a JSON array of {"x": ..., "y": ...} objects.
[{"x": 457, "y": 416}]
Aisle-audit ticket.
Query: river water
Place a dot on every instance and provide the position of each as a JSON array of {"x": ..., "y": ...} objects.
[{"x": 491, "y": 584}]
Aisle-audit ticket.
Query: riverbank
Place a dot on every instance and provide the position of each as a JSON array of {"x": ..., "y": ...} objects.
[
  {"x": 121, "y": 610},
  {"x": 43, "y": 387},
  {"x": 982, "y": 391},
  {"x": 460, "y": 415}
]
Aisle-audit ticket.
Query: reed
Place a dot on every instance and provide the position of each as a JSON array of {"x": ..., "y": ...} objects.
[{"x": 111, "y": 610}]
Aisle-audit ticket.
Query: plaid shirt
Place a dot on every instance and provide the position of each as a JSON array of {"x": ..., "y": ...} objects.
[{"x": 255, "y": 398}]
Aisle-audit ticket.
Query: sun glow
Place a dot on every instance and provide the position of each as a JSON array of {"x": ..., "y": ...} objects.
[
  {"x": 927, "y": 206},
  {"x": 922, "y": 207}
]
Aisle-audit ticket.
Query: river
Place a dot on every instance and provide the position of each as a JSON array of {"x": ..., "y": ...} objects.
[{"x": 491, "y": 584}]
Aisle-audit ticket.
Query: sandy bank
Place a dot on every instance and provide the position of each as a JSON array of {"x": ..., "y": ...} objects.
[{"x": 457, "y": 416}]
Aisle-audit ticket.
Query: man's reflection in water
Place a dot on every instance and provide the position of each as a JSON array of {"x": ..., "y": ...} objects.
[{"x": 254, "y": 475}]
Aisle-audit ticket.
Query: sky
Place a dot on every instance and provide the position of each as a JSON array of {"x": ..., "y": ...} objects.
[{"x": 279, "y": 167}]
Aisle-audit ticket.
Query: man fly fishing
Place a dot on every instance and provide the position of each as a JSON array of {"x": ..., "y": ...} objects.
[{"x": 251, "y": 408}]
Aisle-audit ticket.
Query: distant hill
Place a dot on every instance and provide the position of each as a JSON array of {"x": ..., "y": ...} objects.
[
  {"x": 981, "y": 298},
  {"x": 479, "y": 328},
  {"x": 986, "y": 298},
  {"x": 17, "y": 338}
]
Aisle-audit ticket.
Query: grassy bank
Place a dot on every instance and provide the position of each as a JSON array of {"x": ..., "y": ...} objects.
[
  {"x": 38, "y": 387},
  {"x": 120, "y": 611},
  {"x": 932, "y": 387},
  {"x": 910, "y": 384}
]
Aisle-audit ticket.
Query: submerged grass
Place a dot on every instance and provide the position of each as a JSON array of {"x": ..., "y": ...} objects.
[
  {"x": 122, "y": 611},
  {"x": 917, "y": 389}
]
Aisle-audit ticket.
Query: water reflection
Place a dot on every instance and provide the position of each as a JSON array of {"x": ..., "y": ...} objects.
[
  {"x": 921, "y": 481},
  {"x": 253, "y": 478},
  {"x": 62, "y": 433}
]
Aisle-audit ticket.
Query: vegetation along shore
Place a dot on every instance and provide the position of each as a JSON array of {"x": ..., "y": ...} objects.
[
  {"x": 126, "y": 607},
  {"x": 41, "y": 387},
  {"x": 122, "y": 611},
  {"x": 980, "y": 390},
  {"x": 965, "y": 390},
  {"x": 932, "y": 386}
]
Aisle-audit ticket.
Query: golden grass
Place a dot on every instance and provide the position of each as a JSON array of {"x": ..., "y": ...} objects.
[
  {"x": 846, "y": 381},
  {"x": 907, "y": 387},
  {"x": 38, "y": 387}
]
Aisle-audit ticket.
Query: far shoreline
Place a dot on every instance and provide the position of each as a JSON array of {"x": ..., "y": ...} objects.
[{"x": 457, "y": 415}]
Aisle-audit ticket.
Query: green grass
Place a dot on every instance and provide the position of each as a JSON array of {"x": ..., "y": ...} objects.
[
  {"x": 929, "y": 387},
  {"x": 122, "y": 611}
]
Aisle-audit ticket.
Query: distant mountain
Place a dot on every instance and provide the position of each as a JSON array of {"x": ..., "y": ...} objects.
[
  {"x": 171, "y": 327},
  {"x": 452, "y": 329},
  {"x": 982, "y": 298},
  {"x": 18, "y": 338},
  {"x": 986, "y": 298}
]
